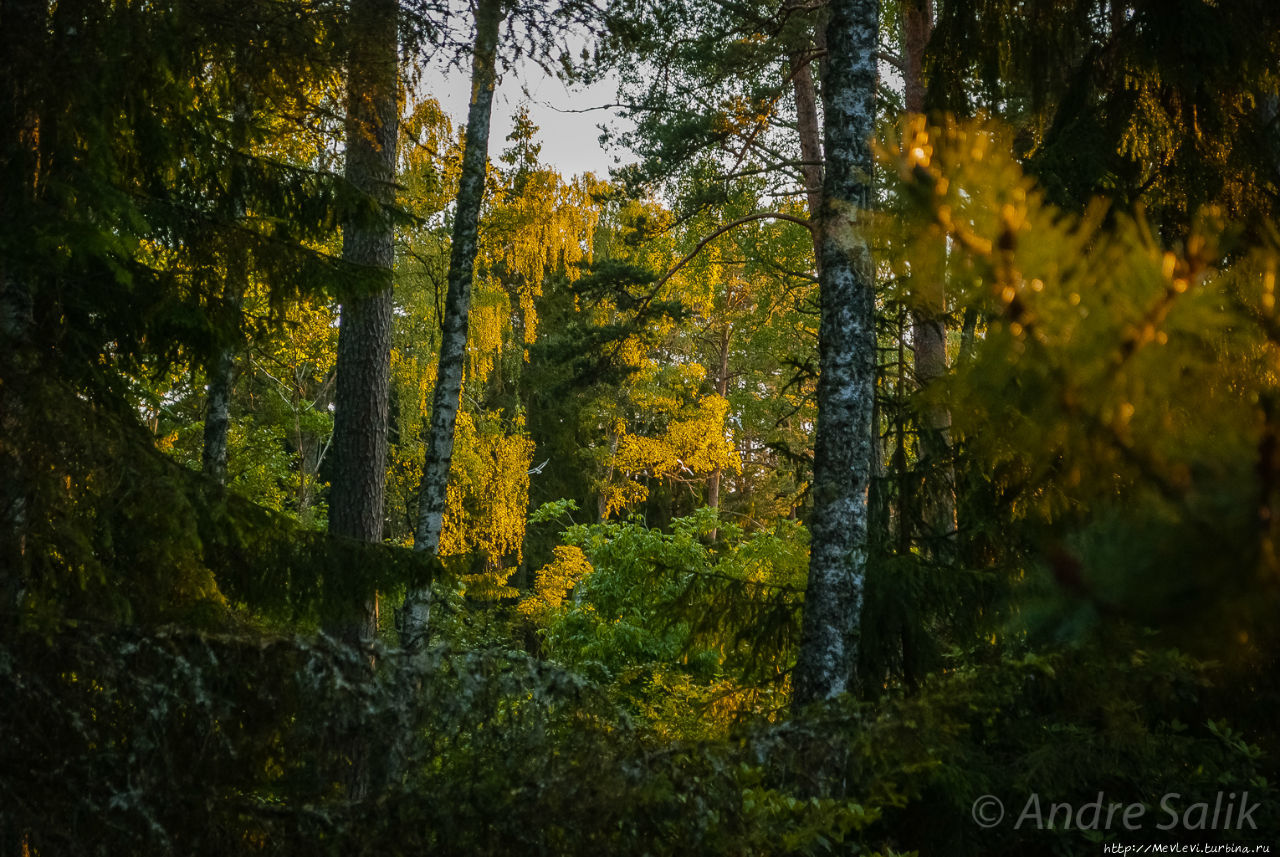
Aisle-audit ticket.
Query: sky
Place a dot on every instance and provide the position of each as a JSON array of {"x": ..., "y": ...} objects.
[{"x": 570, "y": 140}]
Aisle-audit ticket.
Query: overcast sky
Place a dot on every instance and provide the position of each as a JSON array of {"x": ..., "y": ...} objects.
[{"x": 570, "y": 140}]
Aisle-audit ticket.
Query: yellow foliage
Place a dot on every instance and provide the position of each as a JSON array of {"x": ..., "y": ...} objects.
[
  {"x": 412, "y": 374},
  {"x": 490, "y": 585},
  {"x": 307, "y": 342},
  {"x": 488, "y": 494},
  {"x": 554, "y": 580},
  {"x": 484, "y": 339},
  {"x": 165, "y": 442},
  {"x": 621, "y": 495},
  {"x": 547, "y": 225},
  {"x": 691, "y": 447}
]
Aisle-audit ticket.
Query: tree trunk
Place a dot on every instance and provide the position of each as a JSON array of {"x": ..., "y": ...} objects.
[
  {"x": 24, "y": 34},
  {"x": 810, "y": 142},
  {"x": 217, "y": 420},
  {"x": 447, "y": 397},
  {"x": 722, "y": 390},
  {"x": 362, "y": 396},
  {"x": 928, "y": 325},
  {"x": 917, "y": 29},
  {"x": 602, "y": 499},
  {"x": 16, "y": 365},
  {"x": 844, "y": 446}
]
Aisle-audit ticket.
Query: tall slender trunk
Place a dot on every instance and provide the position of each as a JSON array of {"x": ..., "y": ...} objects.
[
  {"x": 217, "y": 417},
  {"x": 453, "y": 341},
  {"x": 844, "y": 446},
  {"x": 809, "y": 130},
  {"x": 722, "y": 390},
  {"x": 810, "y": 141},
  {"x": 713, "y": 490},
  {"x": 810, "y": 133},
  {"x": 361, "y": 397},
  {"x": 16, "y": 365},
  {"x": 217, "y": 420},
  {"x": 928, "y": 325},
  {"x": 602, "y": 499},
  {"x": 23, "y": 36},
  {"x": 917, "y": 29}
]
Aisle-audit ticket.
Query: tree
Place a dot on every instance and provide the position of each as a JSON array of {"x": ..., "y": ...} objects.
[
  {"x": 844, "y": 448},
  {"x": 126, "y": 191},
  {"x": 222, "y": 367},
  {"x": 535, "y": 230},
  {"x": 937, "y": 510},
  {"x": 362, "y": 395},
  {"x": 537, "y": 31},
  {"x": 1149, "y": 102},
  {"x": 453, "y": 342}
]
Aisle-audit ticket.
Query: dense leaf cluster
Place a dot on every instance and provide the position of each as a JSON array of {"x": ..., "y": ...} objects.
[{"x": 1098, "y": 617}]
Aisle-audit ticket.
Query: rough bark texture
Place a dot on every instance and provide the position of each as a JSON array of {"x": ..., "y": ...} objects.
[
  {"x": 810, "y": 139},
  {"x": 362, "y": 396},
  {"x": 453, "y": 342},
  {"x": 843, "y": 449},
  {"x": 917, "y": 28},
  {"x": 928, "y": 323}
]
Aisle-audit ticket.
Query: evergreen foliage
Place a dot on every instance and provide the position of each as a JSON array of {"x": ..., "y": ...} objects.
[{"x": 618, "y": 606}]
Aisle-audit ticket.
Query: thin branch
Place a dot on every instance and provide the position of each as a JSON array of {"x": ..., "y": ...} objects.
[
  {"x": 892, "y": 59},
  {"x": 760, "y": 215},
  {"x": 280, "y": 385}
]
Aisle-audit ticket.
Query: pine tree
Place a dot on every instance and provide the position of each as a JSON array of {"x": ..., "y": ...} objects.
[
  {"x": 937, "y": 510},
  {"x": 362, "y": 396}
]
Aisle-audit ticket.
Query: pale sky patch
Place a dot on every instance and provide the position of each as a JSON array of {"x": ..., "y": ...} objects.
[{"x": 570, "y": 138}]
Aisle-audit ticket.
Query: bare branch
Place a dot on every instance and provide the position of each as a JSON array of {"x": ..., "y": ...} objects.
[{"x": 892, "y": 59}]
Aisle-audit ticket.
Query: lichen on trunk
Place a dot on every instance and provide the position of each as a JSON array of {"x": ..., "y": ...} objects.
[
  {"x": 447, "y": 397},
  {"x": 844, "y": 446}
]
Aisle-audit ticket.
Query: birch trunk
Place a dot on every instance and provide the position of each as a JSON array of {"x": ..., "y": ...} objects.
[
  {"x": 928, "y": 325},
  {"x": 222, "y": 368},
  {"x": 453, "y": 341},
  {"x": 217, "y": 417},
  {"x": 844, "y": 446},
  {"x": 362, "y": 394}
]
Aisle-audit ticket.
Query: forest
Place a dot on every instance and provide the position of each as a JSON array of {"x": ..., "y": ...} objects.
[{"x": 882, "y": 458}]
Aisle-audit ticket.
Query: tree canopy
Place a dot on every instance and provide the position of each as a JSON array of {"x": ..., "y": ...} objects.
[{"x": 884, "y": 460}]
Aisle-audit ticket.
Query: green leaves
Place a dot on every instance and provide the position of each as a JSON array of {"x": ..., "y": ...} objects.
[{"x": 691, "y": 631}]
